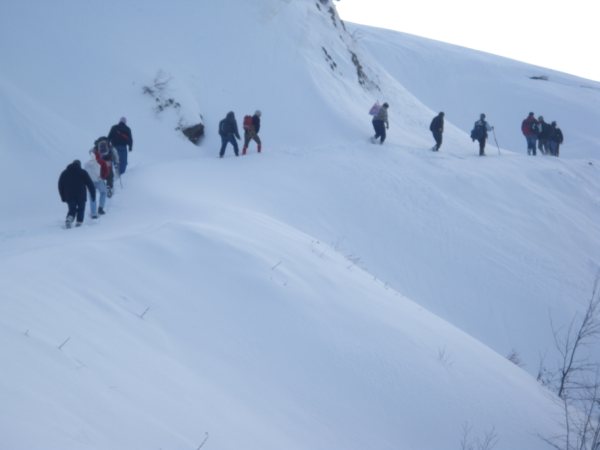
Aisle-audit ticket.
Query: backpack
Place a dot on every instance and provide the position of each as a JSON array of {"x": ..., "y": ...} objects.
[
  {"x": 557, "y": 136},
  {"x": 222, "y": 127},
  {"x": 248, "y": 122},
  {"x": 436, "y": 124},
  {"x": 477, "y": 132},
  {"x": 102, "y": 146},
  {"x": 529, "y": 127},
  {"x": 375, "y": 109},
  {"x": 534, "y": 127}
]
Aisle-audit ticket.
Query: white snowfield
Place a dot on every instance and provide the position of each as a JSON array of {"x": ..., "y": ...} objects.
[{"x": 327, "y": 293}]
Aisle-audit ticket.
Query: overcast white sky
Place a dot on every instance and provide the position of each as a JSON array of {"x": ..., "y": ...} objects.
[{"x": 558, "y": 34}]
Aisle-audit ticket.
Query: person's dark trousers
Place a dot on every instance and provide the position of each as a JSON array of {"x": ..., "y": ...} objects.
[
  {"x": 110, "y": 178},
  {"x": 76, "y": 210},
  {"x": 438, "y": 140},
  {"x": 379, "y": 128},
  {"x": 230, "y": 138},
  {"x": 481, "y": 147},
  {"x": 122, "y": 152},
  {"x": 250, "y": 135},
  {"x": 531, "y": 141}
]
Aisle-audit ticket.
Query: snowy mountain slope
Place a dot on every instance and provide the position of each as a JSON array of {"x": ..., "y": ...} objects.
[
  {"x": 256, "y": 335},
  {"x": 464, "y": 83},
  {"x": 265, "y": 299}
]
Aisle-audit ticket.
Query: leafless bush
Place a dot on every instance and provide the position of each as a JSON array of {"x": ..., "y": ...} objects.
[
  {"x": 488, "y": 441},
  {"x": 577, "y": 381},
  {"x": 571, "y": 345},
  {"x": 514, "y": 358}
]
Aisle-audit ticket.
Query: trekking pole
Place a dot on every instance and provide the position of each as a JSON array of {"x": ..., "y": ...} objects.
[
  {"x": 496, "y": 140},
  {"x": 118, "y": 171}
]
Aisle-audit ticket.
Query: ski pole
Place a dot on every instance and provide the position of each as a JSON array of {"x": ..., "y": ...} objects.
[
  {"x": 118, "y": 173},
  {"x": 496, "y": 140}
]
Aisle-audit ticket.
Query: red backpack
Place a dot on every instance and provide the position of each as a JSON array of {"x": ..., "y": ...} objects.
[
  {"x": 104, "y": 165},
  {"x": 248, "y": 123}
]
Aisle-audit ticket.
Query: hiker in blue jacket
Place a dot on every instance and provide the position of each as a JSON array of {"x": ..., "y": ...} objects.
[
  {"x": 480, "y": 133},
  {"x": 122, "y": 141},
  {"x": 228, "y": 130}
]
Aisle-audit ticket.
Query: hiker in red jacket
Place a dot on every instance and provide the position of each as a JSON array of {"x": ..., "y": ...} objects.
[
  {"x": 530, "y": 128},
  {"x": 251, "y": 128}
]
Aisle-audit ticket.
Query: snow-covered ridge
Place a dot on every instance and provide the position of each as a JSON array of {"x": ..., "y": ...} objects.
[{"x": 327, "y": 293}]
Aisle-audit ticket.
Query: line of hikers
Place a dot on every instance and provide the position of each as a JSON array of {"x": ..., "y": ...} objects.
[
  {"x": 108, "y": 160},
  {"x": 547, "y": 136},
  {"x": 228, "y": 130},
  {"x": 108, "y": 157}
]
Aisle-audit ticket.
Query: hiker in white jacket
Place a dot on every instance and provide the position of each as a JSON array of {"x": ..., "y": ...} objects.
[
  {"x": 380, "y": 123},
  {"x": 98, "y": 171}
]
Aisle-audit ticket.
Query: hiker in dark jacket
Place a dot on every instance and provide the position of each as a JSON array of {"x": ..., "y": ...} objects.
[
  {"x": 480, "y": 133},
  {"x": 380, "y": 123},
  {"x": 228, "y": 130},
  {"x": 122, "y": 141},
  {"x": 437, "y": 128},
  {"x": 555, "y": 138},
  {"x": 72, "y": 185},
  {"x": 251, "y": 132},
  {"x": 544, "y": 134}
]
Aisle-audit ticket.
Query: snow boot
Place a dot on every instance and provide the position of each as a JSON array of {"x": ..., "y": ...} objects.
[
  {"x": 69, "y": 221},
  {"x": 101, "y": 211}
]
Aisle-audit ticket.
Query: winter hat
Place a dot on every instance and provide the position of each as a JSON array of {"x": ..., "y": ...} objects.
[
  {"x": 482, "y": 116},
  {"x": 123, "y": 120},
  {"x": 101, "y": 138},
  {"x": 531, "y": 114},
  {"x": 385, "y": 105},
  {"x": 257, "y": 113},
  {"x": 541, "y": 118}
]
